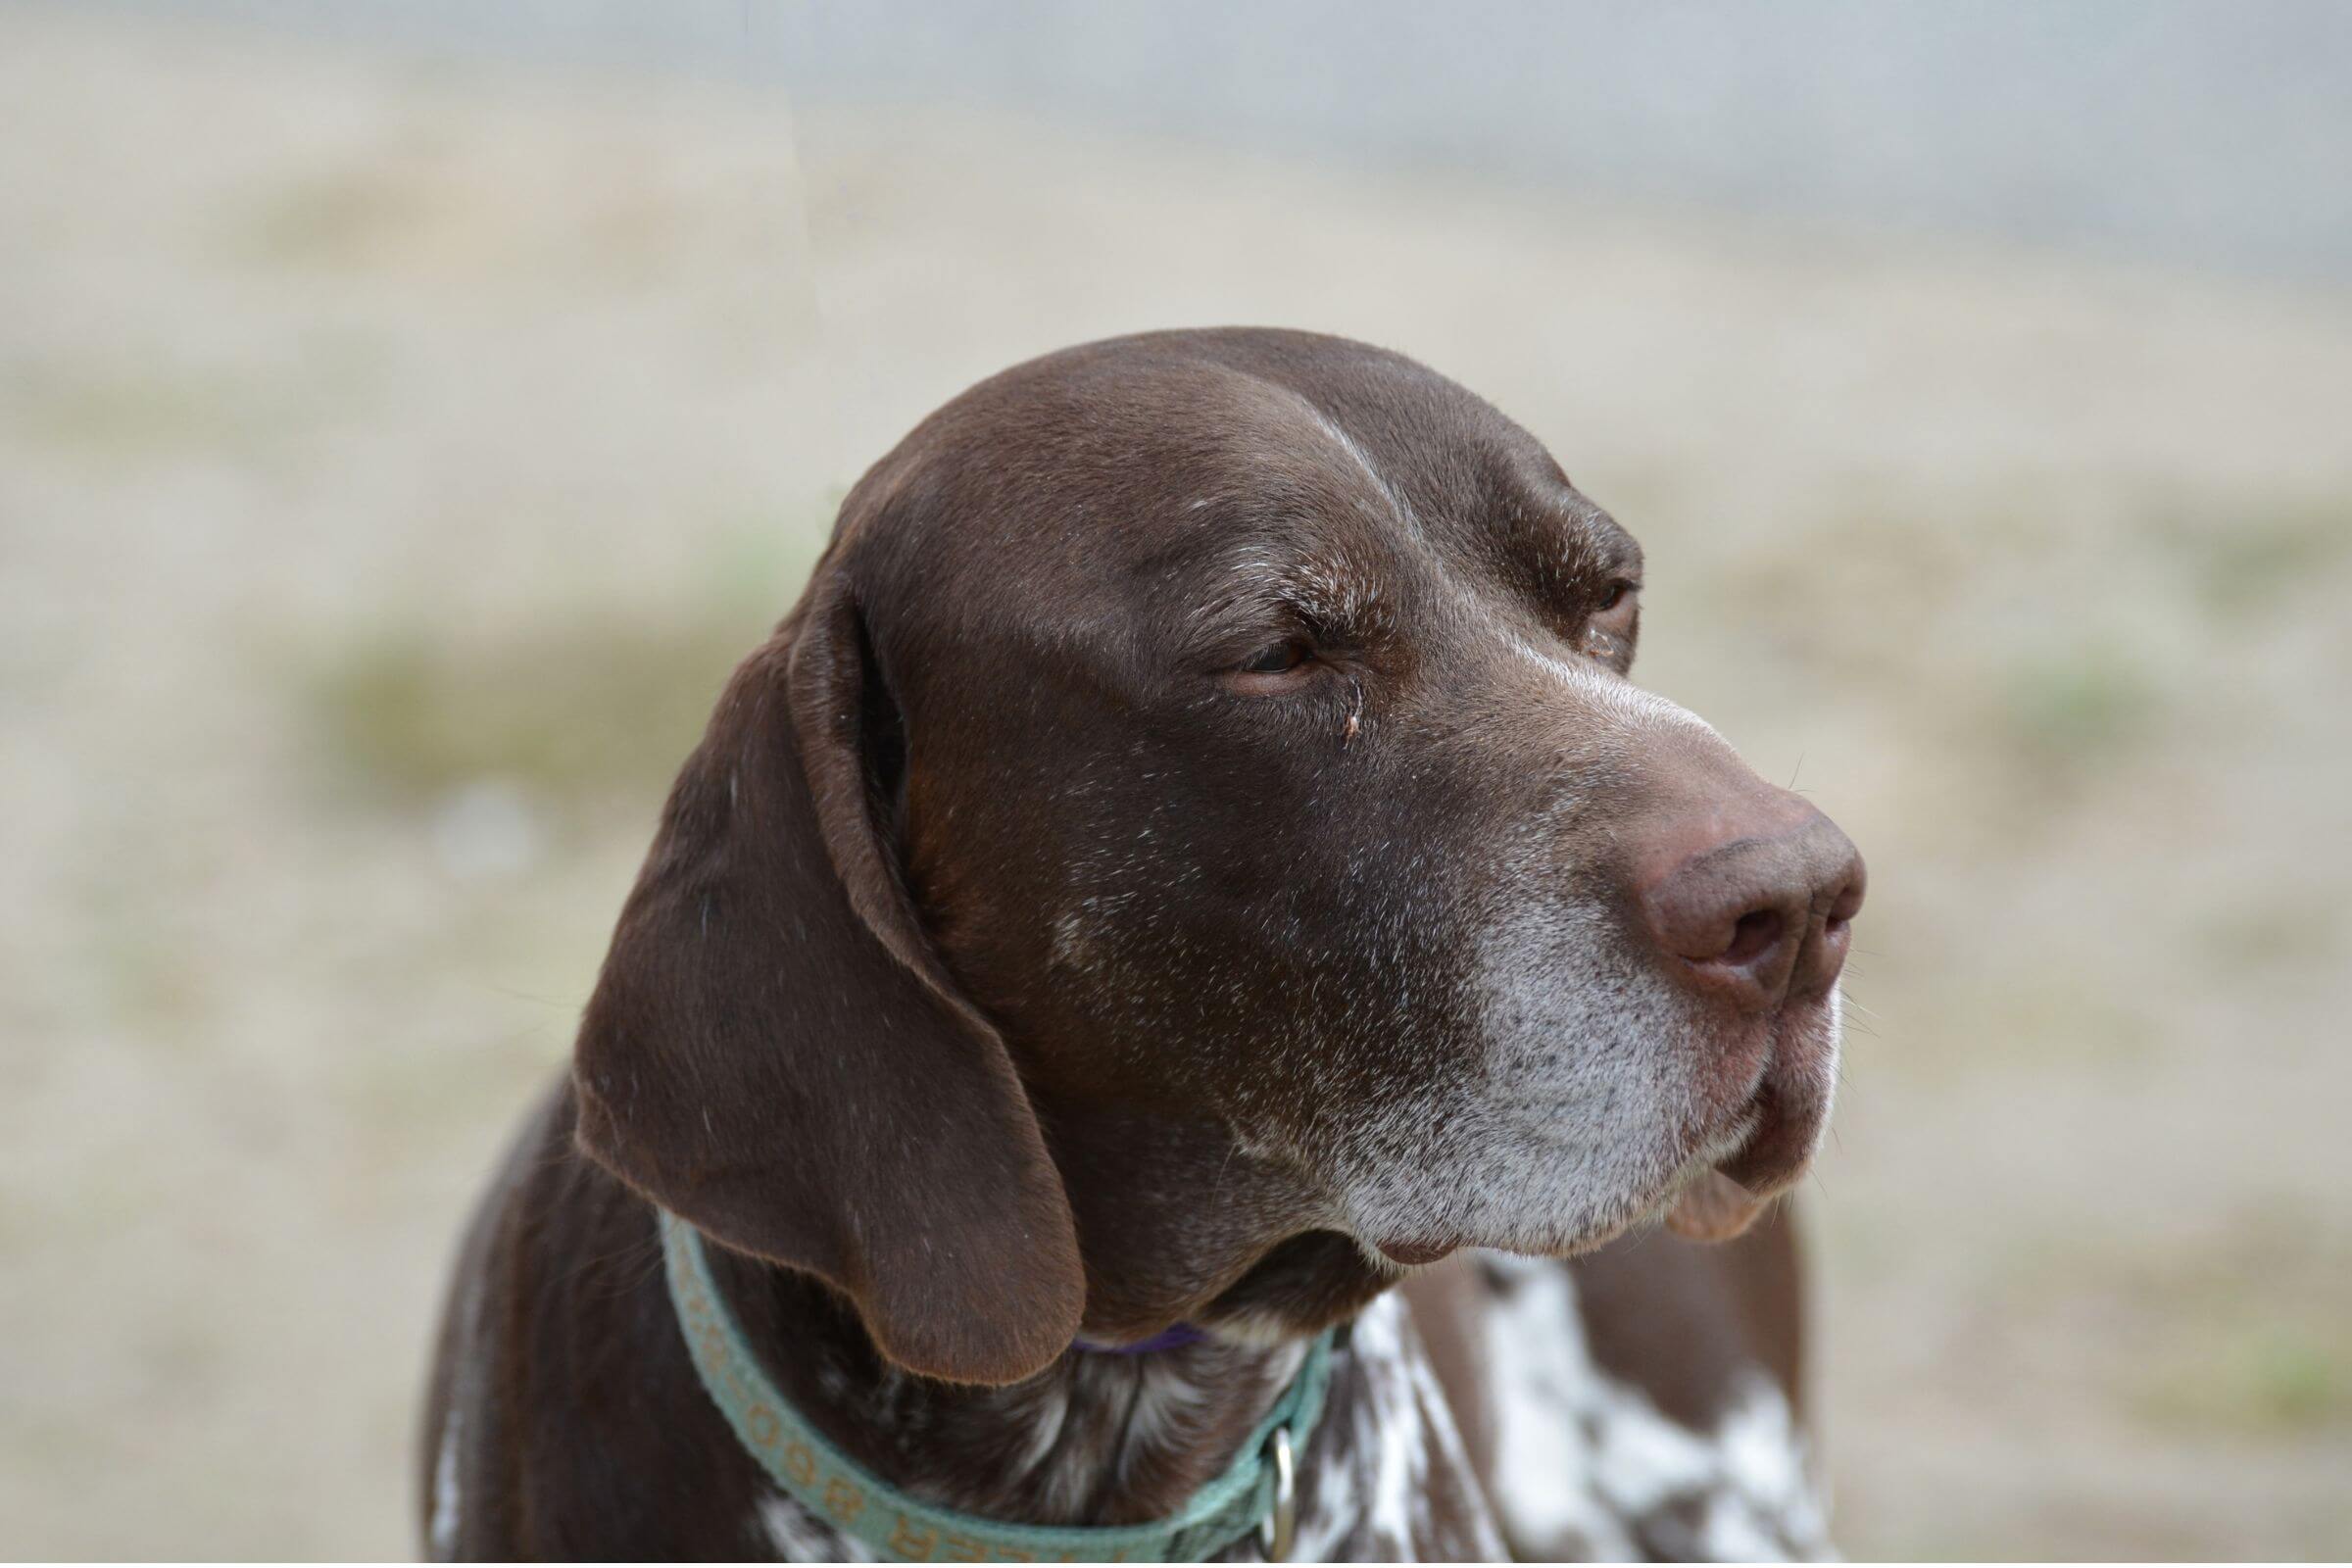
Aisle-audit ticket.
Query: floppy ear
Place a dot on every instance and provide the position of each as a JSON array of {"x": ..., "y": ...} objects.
[{"x": 775, "y": 1054}]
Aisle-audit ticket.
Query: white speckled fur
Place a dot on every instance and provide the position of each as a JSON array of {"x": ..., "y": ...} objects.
[{"x": 1588, "y": 1467}]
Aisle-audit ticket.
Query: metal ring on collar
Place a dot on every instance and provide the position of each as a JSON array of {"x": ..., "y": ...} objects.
[{"x": 1275, "y": 1531}]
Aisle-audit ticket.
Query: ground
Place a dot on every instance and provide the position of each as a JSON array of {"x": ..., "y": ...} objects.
[{"x": 394, "y": 459}]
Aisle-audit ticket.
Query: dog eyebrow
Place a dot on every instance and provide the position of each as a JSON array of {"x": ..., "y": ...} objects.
[
  {"x": 1257, "y": 584},
  {"x": 1575, "y": 544}
]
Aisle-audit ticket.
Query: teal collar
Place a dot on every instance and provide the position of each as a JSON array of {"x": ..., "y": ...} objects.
[{"x": 1255, "y": 1492}]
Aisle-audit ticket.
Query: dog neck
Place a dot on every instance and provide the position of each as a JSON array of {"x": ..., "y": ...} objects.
[
  {"x": 1178, "y": 1223},
  {"x": 1094, "y": 1439}
]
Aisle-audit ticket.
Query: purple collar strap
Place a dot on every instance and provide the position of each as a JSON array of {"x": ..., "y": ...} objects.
[{"x": 1173, "y": 1338}]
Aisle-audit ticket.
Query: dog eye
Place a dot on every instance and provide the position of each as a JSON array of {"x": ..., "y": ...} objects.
[
  {"x": 1275, "y": 660},
  {"x": 1609, "y": 629}
]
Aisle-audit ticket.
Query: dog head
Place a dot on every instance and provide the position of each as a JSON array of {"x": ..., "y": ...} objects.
[{"x": 1201, "y": 751}]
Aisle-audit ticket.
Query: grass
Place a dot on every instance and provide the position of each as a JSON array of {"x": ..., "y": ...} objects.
[
  {"x": 122, "y": 412},
  {"x": 2253, "y": 1378},
  {"x": 2287, "y": 931},
  {"x": 335, "y": 216},
  {"x": 2236, "y": 1334},
  {"x": 582, "y": 703},
  {"x": 2072, "y": 706},
  {"x": 573, "y": 709},
  {"x": 2244, "y": 558}
]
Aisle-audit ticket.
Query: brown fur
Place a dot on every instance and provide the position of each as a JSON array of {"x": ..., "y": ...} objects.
[{"x": 1021, "y": 953}]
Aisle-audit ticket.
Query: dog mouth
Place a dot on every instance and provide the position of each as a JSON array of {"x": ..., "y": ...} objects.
[
  {"x": 1767, "y": 1150},
  {"x": 1715, "y": 1200}
]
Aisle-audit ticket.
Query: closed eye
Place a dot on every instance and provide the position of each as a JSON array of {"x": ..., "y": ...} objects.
[
  {"x": 1275, "y": 658},
  {"x": 1277, "y": 669}
]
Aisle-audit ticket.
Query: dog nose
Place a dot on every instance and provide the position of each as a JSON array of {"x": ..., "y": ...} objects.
[{"x": 1761, "y": 908}]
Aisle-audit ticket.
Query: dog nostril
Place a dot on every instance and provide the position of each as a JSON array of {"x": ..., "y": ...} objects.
[
  {"x": 1755, "y": 918},
  {"x": 1754, "y": 935},
  {"x": 1838, "y": 917}
]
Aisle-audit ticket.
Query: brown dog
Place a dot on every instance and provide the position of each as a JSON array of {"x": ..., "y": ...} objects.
[{"x": 1193, "y": 855}]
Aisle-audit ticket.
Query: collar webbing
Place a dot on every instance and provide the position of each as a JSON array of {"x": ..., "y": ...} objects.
[{"x": 902, "y": 1529}]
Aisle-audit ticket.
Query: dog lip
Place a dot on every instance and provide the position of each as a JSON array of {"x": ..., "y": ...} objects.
[
  {"x": 1768, "y": 1144},
  {"x": 1727, "y": 1183},
  {"x": 1779, "y": 1148}
]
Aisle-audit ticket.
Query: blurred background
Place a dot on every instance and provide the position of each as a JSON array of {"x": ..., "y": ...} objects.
[{"x": 409, "y": 413}]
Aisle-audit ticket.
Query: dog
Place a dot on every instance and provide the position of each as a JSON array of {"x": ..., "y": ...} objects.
[{"x": 1193, "y": 860}]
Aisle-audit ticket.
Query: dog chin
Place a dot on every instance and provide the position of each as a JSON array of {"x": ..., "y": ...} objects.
[
  {"x": 1597, "y": 1220},
  {"x": 1729, "y": 1176},
  {"x": 1707, "y": 1172}
]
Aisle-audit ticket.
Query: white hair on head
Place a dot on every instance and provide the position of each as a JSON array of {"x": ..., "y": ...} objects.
[
  {"x": 1395, "y": 497},
  {"x": 1630, "y": 706}
]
